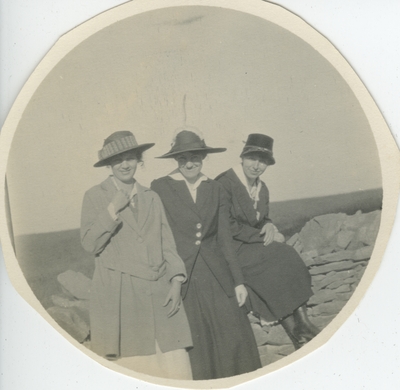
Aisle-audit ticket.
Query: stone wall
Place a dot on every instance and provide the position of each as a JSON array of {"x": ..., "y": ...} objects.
[{"x": 335, "y": 247}]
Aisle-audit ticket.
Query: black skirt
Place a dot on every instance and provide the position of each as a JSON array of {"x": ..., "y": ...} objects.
[
  {"x": 223, "y": 341},
  {"x": 278, "y": 279}
]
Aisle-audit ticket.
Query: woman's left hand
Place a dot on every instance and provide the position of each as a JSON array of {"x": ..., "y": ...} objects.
[
  {"x": 241, "y": 294},
  {"x": 174, "y": 295}
]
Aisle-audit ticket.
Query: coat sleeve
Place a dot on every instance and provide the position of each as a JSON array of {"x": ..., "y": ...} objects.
[
  {"x": 240, "y": 231},
  {"x": 97, "y": 225},
  {"x": 225, "y": 239},
  {"x": 176, "y": 265}
]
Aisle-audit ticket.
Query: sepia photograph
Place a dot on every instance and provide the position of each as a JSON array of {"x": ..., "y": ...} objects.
[{"x": 196, "y": 195}]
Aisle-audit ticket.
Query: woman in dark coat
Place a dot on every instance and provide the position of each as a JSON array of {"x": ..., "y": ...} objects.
[
  {"x": 135, "y": 312},
  {"x": 278, "y": 280},
  {"x": 197, "y": 211}
]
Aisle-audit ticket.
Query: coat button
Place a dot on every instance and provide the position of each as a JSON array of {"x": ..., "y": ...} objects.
[
  {"x": 198, "y": 242},
  {"x": 154, "y": 268},
  {"x": 140, "y": 239},
  {"x": 198, "y": 234},
  {"x": 198, "y": 226}
]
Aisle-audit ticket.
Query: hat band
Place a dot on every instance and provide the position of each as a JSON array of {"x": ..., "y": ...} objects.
[
  {"x": 119, "y": 145},
  {"x": 256, "y": 148},
  {"x": 181, "y": 147}
]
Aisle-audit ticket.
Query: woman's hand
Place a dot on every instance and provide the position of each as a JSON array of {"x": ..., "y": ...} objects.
[
  {"x": 120, "y": 200},
  {"x": 269, "y": 233},
  {"x": 174, "y": 295},
  {"x": 241, "y": 294}
]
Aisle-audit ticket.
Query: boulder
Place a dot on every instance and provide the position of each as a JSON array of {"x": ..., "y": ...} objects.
[
  {"x": 77, "y": 284},
  {"x": 339, "y": 266},
  {"x": 70, "y": 320}
]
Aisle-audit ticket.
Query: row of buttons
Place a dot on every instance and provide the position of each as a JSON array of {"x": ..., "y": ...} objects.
[{"x": 198, "y": 234}]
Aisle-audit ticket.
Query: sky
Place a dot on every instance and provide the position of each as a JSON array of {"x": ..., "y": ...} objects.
[{"x": 225, "y": 72}]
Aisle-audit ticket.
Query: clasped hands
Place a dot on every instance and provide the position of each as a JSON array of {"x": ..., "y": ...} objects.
[{"x": 271, "y": 233}]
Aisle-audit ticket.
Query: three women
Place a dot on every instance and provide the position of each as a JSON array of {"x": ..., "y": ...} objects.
[{"x": 136, "y": 313}]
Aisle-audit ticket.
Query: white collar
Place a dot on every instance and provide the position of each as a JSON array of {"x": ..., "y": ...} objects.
[
  {"x": 255, "y": 190},
  {"x": 177, "y": 175}
]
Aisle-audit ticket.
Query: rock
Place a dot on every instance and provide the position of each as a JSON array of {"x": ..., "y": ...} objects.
[
  {"x": 321, "y": 297},
  {"x": 341, "y": 282},
  {"x": 344, "y": 238},
  {"x": 318, "y": 232},
  {"x": 75, "y": 283},
  {"x": 283, "y": 350},
  {"x": 277, "y": 335},
  {"x": 342, "y": 288},
  {"x": 321, "y": 321},
  {"x": 363, "y": 253},
  {"x": 308, "y": 261},
  {"x": 353, "y": 222},
  {"x": 298, "y": 246},
  {"x": 344, "y": 296},
  {"x": 70, "y": 320},
  {"x": 64, "y": 302},
  {"x": 292, "y": 240},
  {"x": 260, "y": 335},
  {"x": 272, "y": 353},
  {"x": 324, "y": 269},
  {"x": 336, "y": 256},
  {"x": 326, "y": 279},
  {"x": 368, "y": 233},
  {"x": 328, "y": 308}
]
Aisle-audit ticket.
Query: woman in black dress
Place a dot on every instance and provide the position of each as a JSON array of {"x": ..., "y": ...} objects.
[
  {"x": 214, "y": 296},
  {"x": 278, "y": 280}
]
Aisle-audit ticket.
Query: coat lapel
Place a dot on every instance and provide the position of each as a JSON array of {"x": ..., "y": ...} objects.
[
  {"x": 203, "y": 194},
  {"x": 144, "y": 202},
  {"x": 242, "y": 196},
  {"x": 180, "y": 190},
  {"x": 263, "y": 203}
]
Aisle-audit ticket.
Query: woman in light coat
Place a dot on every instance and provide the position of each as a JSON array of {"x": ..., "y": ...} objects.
[
  {"x": 197, "y": 211},
  {"x": 279, "y": 282},
  {"x": 136, "y": 316}
]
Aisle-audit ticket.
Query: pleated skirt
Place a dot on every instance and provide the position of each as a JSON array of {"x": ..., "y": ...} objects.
[{"x": 223, "y": 341}]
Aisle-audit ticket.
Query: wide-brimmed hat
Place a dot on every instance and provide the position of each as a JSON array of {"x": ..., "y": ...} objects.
[
  {"x": 117, "y": 143},
  {"x": 260, "y": 143},
  {"x": 189, "y": 141}
]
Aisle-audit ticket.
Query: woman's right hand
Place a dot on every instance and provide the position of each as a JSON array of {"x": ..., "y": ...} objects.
[
  {"x": 269, "y": 232},
  {"x": 120, "y": 200}
]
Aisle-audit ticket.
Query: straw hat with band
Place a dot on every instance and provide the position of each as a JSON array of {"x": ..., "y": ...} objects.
[
  {"x": 189, "y": 141},
  {"x": 117, "y": 143},
  {"x": 259, "y": 143}
]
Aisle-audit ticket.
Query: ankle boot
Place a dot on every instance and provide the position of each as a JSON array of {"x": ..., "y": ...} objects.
[
  {"x": 302, "y": 321},
  {"x": 295, "y": 333}
]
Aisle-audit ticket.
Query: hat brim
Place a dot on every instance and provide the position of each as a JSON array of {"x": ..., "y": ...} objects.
[
  {"x": 207, "y": 150},
  {"x": 255, "y": 149},
  {"x": 106, "y": 161}
]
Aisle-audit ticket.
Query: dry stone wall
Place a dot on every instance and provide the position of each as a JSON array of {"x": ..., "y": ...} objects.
[{"x": 336, "y": 249}]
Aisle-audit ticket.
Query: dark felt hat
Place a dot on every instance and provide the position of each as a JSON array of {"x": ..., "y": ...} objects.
[
  {"x": 189, "y": 141},
  {"x": 260, "y": 143},
  {"x": 117, "y": 143}
]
